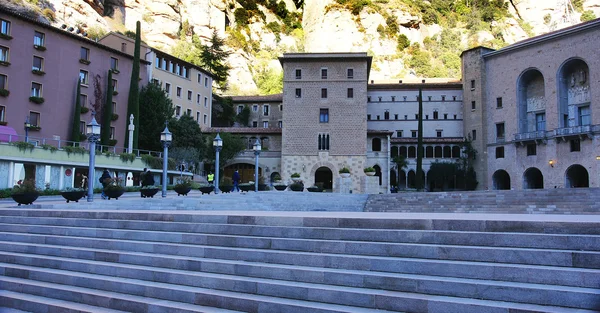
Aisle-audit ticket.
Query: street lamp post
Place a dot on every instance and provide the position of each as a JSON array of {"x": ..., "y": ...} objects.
[
  {"x": 93, "y": 134},
  {"x": 27, "y": 127},
  {"x": 218, "y": 145},
  {"x": 165, "y": 138},
  {"x": 256, "y": 149}
]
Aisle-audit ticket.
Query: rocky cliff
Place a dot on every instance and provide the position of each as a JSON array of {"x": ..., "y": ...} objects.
[{"x": 386, "y": 29}]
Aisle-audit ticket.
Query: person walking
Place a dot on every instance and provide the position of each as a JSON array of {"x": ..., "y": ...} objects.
[
  {"x": 104, "y": 181},
  {"x": 236, "y": 180},
  {"x": 147, "y": 180},
  {"x": 210, "y": 177}
]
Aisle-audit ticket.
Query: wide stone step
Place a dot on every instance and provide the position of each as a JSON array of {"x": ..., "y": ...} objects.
[
  {"x": 294, "y": 249},
  {"x": 271, "y": 236},
  {"x": 302, "y": 267},
  {"x": 290, "y": 287},
  {"x": 184, "y": 298},
  {"x": 354, "y": 298},
  {"x": 15, "y": 302}
]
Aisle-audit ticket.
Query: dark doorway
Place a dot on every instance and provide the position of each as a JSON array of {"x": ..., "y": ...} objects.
[
  {"x": 324, "y": 178},
  {"x": 401, "y": 180},
  {"x": 393, "y": 178},
  {"x": 501, "y": 180},
  {"x": 533, "y": 179},
  {"x": 577, "y": 177},
  {"x": 378, "y": 173}
]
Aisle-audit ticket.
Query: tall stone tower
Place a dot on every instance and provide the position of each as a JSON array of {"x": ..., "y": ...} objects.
[{"x": 324, "y": 116}]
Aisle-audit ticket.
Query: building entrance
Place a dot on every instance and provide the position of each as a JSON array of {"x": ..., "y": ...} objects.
[{"x": 324, "y": 178}]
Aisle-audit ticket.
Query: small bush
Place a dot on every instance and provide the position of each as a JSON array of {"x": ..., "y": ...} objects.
[
  {"x": 23, "y": 146},
  {"x": 344, "y": 170},
  {"x": 49, "y": 147},
  {"x": 75, "y": 149},
  {"x": 127, "y": 157},
  {"x": 49, "y": 14},
  {"x": 403, "y": 42}
]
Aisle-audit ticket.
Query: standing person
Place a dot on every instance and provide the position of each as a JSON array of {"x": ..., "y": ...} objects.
[
  {"x": 236, "y": 180},
  {"x": 147, "y": 179},
  {"x": 210, "y": 178},
  {"x": 104, "y": 182}
]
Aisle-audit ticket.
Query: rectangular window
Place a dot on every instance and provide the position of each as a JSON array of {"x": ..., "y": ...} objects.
[
  {"x": 399, "y": 133},
  {"x": 405, "y": 117},
  {"x": 368, "y": 117},
  {"x": 188, "y": 112},
  {"x": 499, "y": 152},
  {"x": 379, "y": 98},
  {"x": 404, "y": 98},
  {"x": 114, "y": 64},
  {"x": 115, "y": 85},
  {"x": 413, "y": 133},
  {"x": 323, "y": 93},
  {"x": 84, "y": 77},
  {"x": 34, "y": 118},
  {"x": 584, "y": 115},
  {"x": 499, "y": 102},
  {"x": 323, "y": 73},
  {"x": 540, "y": 121},
  {"x": 205, "y": 81},
  {"x": 38, "y": 39},
  {"x": 199, "y": 80},
  {"x": 114, "y": 105},
  {"x": 184, "y": 72},
  {"x": 177, "y": 69},
  {"x": 265, "y": 110},
  {"x": 575, "y": 145},
  {"x": 474, "y": 134},
  {"x": 500, "y": 131},
  {"x": 280, "y": 124},
  {"x": 416, "y": 116},
  {"x": 190, "y": 95},
  {"x": 254, "y": 124},
  {"x": 454, "y": 116},
  {"x": 443, "y": 98},
  {"x": 38, "y": 64},
  {"x": 36, "y": 90},
  {"x": 198, "y": 117},
  {"x": 393, "y": 98},
  {"x": 84, "y": 54},
  {"x": 168, "y": 88},
  {"x": 350, "y": 73},
  {"x": 396, "y": 116},
  {"x": 123, "y": 47},
  {"x": 205, "y": 102},
  {"x": 83, "y": 100},
  {"x": 453, "y": 98},
  {"x": 378, "y": 118},
  {"x": 177, "y": 111},
  {"x": 3, "y": 54},
  {"x": 178, "y": 92},
  {"x": 298, "y": 93},
  {"x": 171, "y": 69},
  {"x": 472, "y": 84},
  {"x": 323, "y": 141},
  {"x": 298, "y": 74},
  {"x": 205, "y": 119},
  {"x": 368, "y": 98},
  {"x": 198, "y": 97},
  {"x": 4, "y": 27},
  {"x": 281, "y": 108},
  {"x": 155, "y": 81},
  {"x": 438, "y": 133},
  {"x": 324, "y": 115},
  {"x": 428, "y": 98},
  {"x": 435, "y": 115},
  {"x": 473, "y": 105},
  {"x": 265, "y": 124},
  {"x": 386, "y": 115},
  {"x": 531, "y": 149},
  {"x": 426, "y": 116},
  {"x": 112, "y": 133},
  {"x": 82, "y": 127},
  {"x": 240, "y": 108},
  {"x": 445, "y": 116},
  {"x": 2, "y": 113},
  {"x": 350, "y": 92},
  {"x": 255, "y": 108}
]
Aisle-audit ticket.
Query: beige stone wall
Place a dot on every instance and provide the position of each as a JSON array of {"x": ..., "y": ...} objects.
[
  {"x": 503, "y": 72},
  {"x": 307, "y": 165}
]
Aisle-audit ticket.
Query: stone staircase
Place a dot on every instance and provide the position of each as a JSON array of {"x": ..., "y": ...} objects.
[
  {"x": 183, "y": 261},
  {"x": 553, "y": 201}
]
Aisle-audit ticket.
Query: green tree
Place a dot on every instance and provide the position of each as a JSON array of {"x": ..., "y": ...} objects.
[
  {"x": 588, "y": 16},
  {"x": 186, "y": 132},
  {"x": 133, "y": 103},
  {"x": 465, "y": 164},
  {"x": 77, "y": 114},
  {"x": 403, "y": 42},
  {"x": 400, "y": 162},
  {"x": 157, "y": 108},
  {"x": 244, "y": 117},
  {"x": 442, "y": 175},
  {"x": 223, "y": 112},
  {"x": 419, "y": 177},
  {"x": 232, "y": 146},
  {"x": 107, "y": 112},
  {"x": 213, "y": 58}
]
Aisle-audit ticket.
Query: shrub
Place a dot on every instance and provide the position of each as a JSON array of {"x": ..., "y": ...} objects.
[
  {"x": 403, "y": 42},
  {"x": 241, "y": 16},
  {"x": 24, "y": 186},
  {"x": 49, "y": 147},
  {"x": 75, "y": 149},
  {"x": 127, "y": 157},
  {"x": 369, "y": 170},
  {"x": 296, "y": 175},
  {"x": 84, "y": 110},
  {"x": 113, "y": 183},
  {"x": 23, "y": 146},
  {"x": 4, "y": 92},
  {"x": 344, "y": 170},
  {"x": 37, "y": 100}
]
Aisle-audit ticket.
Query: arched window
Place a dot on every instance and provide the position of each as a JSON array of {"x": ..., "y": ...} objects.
[
  {"x": 394, "y": 151},
  {"x": 456, "y": 152},
  {"x": 447, "y": 152},
  {"x": 501, "y": 180},
  {"x": 376, "y": 144},
  {"x": 438, "y": 152},
  {"x": 403, "y": 152},
  {"x": 574, "y": 94},
  {"x": 412, "y": 152},
  {"x": 531, "y": 97},
  {"x": 429, "y": 152}
]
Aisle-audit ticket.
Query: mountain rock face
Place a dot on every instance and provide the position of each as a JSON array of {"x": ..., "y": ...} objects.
[{"x": 326, "y": 27}]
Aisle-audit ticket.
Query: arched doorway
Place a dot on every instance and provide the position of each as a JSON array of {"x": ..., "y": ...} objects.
[
  {"x": 324, "y": 178},
  {"x": 501, "y": 180},
  {"x": 411, "y": 179},
  {"x": 378, "y": 173},
  {"x": 577, "y": 177},
  {"x": 531, "y": 97},
  {"x": 401, "y": 180},
  {"x": 533, "y": 179},
  {"x": 574, "y": 94},
  {"x": 273, "y": 176}
]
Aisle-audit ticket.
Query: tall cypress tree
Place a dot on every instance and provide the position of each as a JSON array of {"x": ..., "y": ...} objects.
[
  {"x": 107, "y": 112},
  {"x": 419, "y": 178},
  {"x": 133, "y": 102},
  {"x": 77, "y": 114}
]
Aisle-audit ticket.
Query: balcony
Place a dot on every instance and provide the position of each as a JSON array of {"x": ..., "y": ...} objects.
[
  {"x": 583, "y": 132},
  {"x": 539, "y": 136}
]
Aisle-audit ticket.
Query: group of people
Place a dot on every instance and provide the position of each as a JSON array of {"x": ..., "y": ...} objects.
[{"x": 236, "y": 179}]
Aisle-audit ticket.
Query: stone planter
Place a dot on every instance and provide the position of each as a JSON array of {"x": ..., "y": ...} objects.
[
  {"x": 297, "y": 187},
  {"x": 114, "y": 193},
  {"x": 73, "y": 195},
  {"x": 246, "y": 188},
  {"x": 262, "y": 187},
  {"x": 345, "y": 175},
  {"x": 149, "y": 193},
  {"x": 225, "y": 188},
  {"x": 296, "y": 179},
  {"x": 280, "y": 187},
  {"x": 182, "y": 190},
  {"x": 314, "y": 189},
  {"x": 25, "y": 198},
  {"x": 206, "y": 189},
  {"x": 370, "y": 173}
]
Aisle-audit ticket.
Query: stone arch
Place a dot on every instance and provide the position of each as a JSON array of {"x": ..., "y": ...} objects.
[
  {"x": 438, "y": 152},
  {"x": 393, "y": 177},
  {"x": 533, "y": 179},
  {"x": 324, "y": 178},
  {"x": 429, "y": 152},
  {"x": 401, "y": 179},
  {"x": 378, "y": 173},
  {"x": 316, "y": 166},
  {"x": 394, "y": 152},
  {"x": 447, "y": 152},
  {"x": 403, "y": 152},
  {"x": 577, "y": 176},
  {"x": 376, "y": 144},
  {"x": 574, "y": 93},
  {"x": 411, "y": 179},
  {"x": 501, "y": 180},
  {"x": 456, "y": 152},
  {"x": 531, "y": 101},
  {"x": 273, "y": 175},
  {"x": 412, "y": 152}
]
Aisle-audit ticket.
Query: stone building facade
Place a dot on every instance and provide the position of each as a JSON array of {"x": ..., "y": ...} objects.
[{"x": 536, "y": 110}]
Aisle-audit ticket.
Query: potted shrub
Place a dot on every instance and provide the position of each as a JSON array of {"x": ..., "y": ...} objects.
[
  {"x": 280, "y": 186},
  {"x": 25, "y": 192},
  {"x": 276, "y": 178},
  {"x": 261, "y": 184},
  {"x": 246, "y": 186},
  {"x": 149, "y": 191},
  {"x": 226, "y": 185},
  {"x": 296, "y": 177},
  {"x": 297, "y": 186},
  {"x": 113, "y": 188},
  {"x": 183, "y": 186},
  {"x": 206, "y": 188},
  {"x": 314, "y": 189},
  {"x": 345, "y": 172},
  {"x": 73, "y": 194},
  {"x": 369, "y": 171}
]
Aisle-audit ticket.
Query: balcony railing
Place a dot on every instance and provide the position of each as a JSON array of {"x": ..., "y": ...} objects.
[
  {"x": 536, "y": 135},
  {"x": 575, "y": 130}
]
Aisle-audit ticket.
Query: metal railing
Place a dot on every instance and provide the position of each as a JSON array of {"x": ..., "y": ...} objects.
[
  {"x": 540, "y": 134},
  {"x": 574, "y": 130}
]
